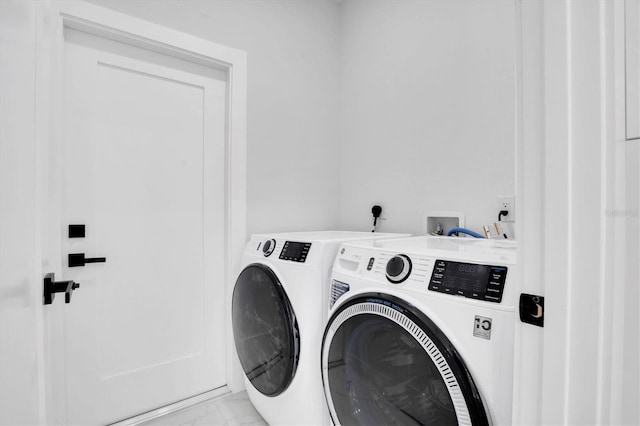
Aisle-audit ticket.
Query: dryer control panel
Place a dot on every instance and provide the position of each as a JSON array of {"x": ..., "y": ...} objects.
[{"x": 484, "y": 282}]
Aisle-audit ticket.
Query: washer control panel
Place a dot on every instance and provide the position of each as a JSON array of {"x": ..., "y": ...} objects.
[
  {"x": 295, "y": 251},
  {"x": 484, "y": 282}
]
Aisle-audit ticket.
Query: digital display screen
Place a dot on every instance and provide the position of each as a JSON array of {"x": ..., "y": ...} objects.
[
  {"x": 295, "y": 251},
  {"x": 466, "y": 276}
]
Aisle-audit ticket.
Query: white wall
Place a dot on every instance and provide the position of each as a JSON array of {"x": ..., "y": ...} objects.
[
  {"x": 292, "y": 49},
  {"x": 427, "y": 110},
  {"x": 20, "y": 294},
  {"x": 426, "y": 104}
]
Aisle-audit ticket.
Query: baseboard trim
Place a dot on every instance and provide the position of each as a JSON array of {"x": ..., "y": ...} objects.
[{"x": 172, "y": 408}]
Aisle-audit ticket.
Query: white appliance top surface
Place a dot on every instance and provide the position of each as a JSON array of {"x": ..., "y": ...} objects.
[
  {"x": 446, "y": 246},
  {"x": 330, "y": 236}
]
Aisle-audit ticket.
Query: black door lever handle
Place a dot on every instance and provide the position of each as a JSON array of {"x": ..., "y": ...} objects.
[
  {"x": 78, "y": 259},
  {"x": 51, "y": 287}
]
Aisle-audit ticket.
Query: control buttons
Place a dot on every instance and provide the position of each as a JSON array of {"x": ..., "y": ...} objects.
[
  {"x": 475, "y": 281},
  {"x": 398, "y": 268},
  {"x": 370, "y": 264},
  {"x": 437, "y": 276},
  {"x": 268, "y": 247},
  {"x": 495, "y": 287}
]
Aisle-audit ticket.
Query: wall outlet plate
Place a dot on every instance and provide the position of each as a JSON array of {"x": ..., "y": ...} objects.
[{"x": 507, "y": 203}]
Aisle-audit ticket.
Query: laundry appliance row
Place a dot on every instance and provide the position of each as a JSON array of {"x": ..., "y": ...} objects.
[
  {"x": 359, "y": 328},
  {"x": 279, "y": 308}
]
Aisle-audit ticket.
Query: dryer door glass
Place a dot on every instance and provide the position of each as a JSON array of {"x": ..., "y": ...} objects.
[
  {"x": 265, "y": 330},
  {"x": 387, "y": 365}
]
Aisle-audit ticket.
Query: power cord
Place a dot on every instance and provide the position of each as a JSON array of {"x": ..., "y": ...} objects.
[
  {"x": 502, "y": 213},
  {"x": 376, "y": 211}
]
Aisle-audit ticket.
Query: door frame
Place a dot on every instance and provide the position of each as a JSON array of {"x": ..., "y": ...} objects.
[
  {"x": 53, "y": 17},
  {"x": 571, "y": 249}
]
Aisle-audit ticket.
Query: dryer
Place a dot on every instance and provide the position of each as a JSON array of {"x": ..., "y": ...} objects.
[
  {"x": 421, "y": 331},
  {"x": 279, "y": 307}
]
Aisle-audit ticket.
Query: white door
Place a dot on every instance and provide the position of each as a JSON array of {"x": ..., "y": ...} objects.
[{"x": 143, "y": 168}]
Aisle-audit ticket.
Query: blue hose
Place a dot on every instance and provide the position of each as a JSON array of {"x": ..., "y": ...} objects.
[{"x": 463, "y": 231}]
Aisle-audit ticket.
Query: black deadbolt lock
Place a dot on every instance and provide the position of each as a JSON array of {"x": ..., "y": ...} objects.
[
  {"x": 532, "y": 309},
  {"x": 76, "y": 231}
]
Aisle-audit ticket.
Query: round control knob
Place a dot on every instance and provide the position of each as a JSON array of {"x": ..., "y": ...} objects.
[
  {"x": 268, "y": 247},
  {"x": 398, "y": 268}
]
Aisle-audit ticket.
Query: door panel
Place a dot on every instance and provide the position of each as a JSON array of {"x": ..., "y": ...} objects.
[{"x": 143, "y": 168}]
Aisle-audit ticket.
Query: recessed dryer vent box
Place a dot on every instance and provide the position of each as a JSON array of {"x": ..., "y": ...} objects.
[{"x": 446, "y": 219}]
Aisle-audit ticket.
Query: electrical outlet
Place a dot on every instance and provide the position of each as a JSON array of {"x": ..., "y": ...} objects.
[
  {"x": 383, "y": 214},
  {"x": 509, "y": 204}
]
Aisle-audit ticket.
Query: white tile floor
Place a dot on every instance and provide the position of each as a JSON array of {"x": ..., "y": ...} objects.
[{"x": 229, "y": 410}]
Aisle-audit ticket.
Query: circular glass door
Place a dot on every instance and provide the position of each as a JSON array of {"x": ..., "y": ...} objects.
[
  {"x": 265, "y": 330},
  {"x": 386, "y": 363}
]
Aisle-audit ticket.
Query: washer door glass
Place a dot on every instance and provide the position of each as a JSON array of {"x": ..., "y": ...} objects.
[
  {"x": 389, "y": 365},
  {"x": 265, "y": 330}
]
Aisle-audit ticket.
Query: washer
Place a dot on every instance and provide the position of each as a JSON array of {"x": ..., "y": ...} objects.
[
  {"x": 279, "y": 308},
  {"x": 421, "y": 331}
]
